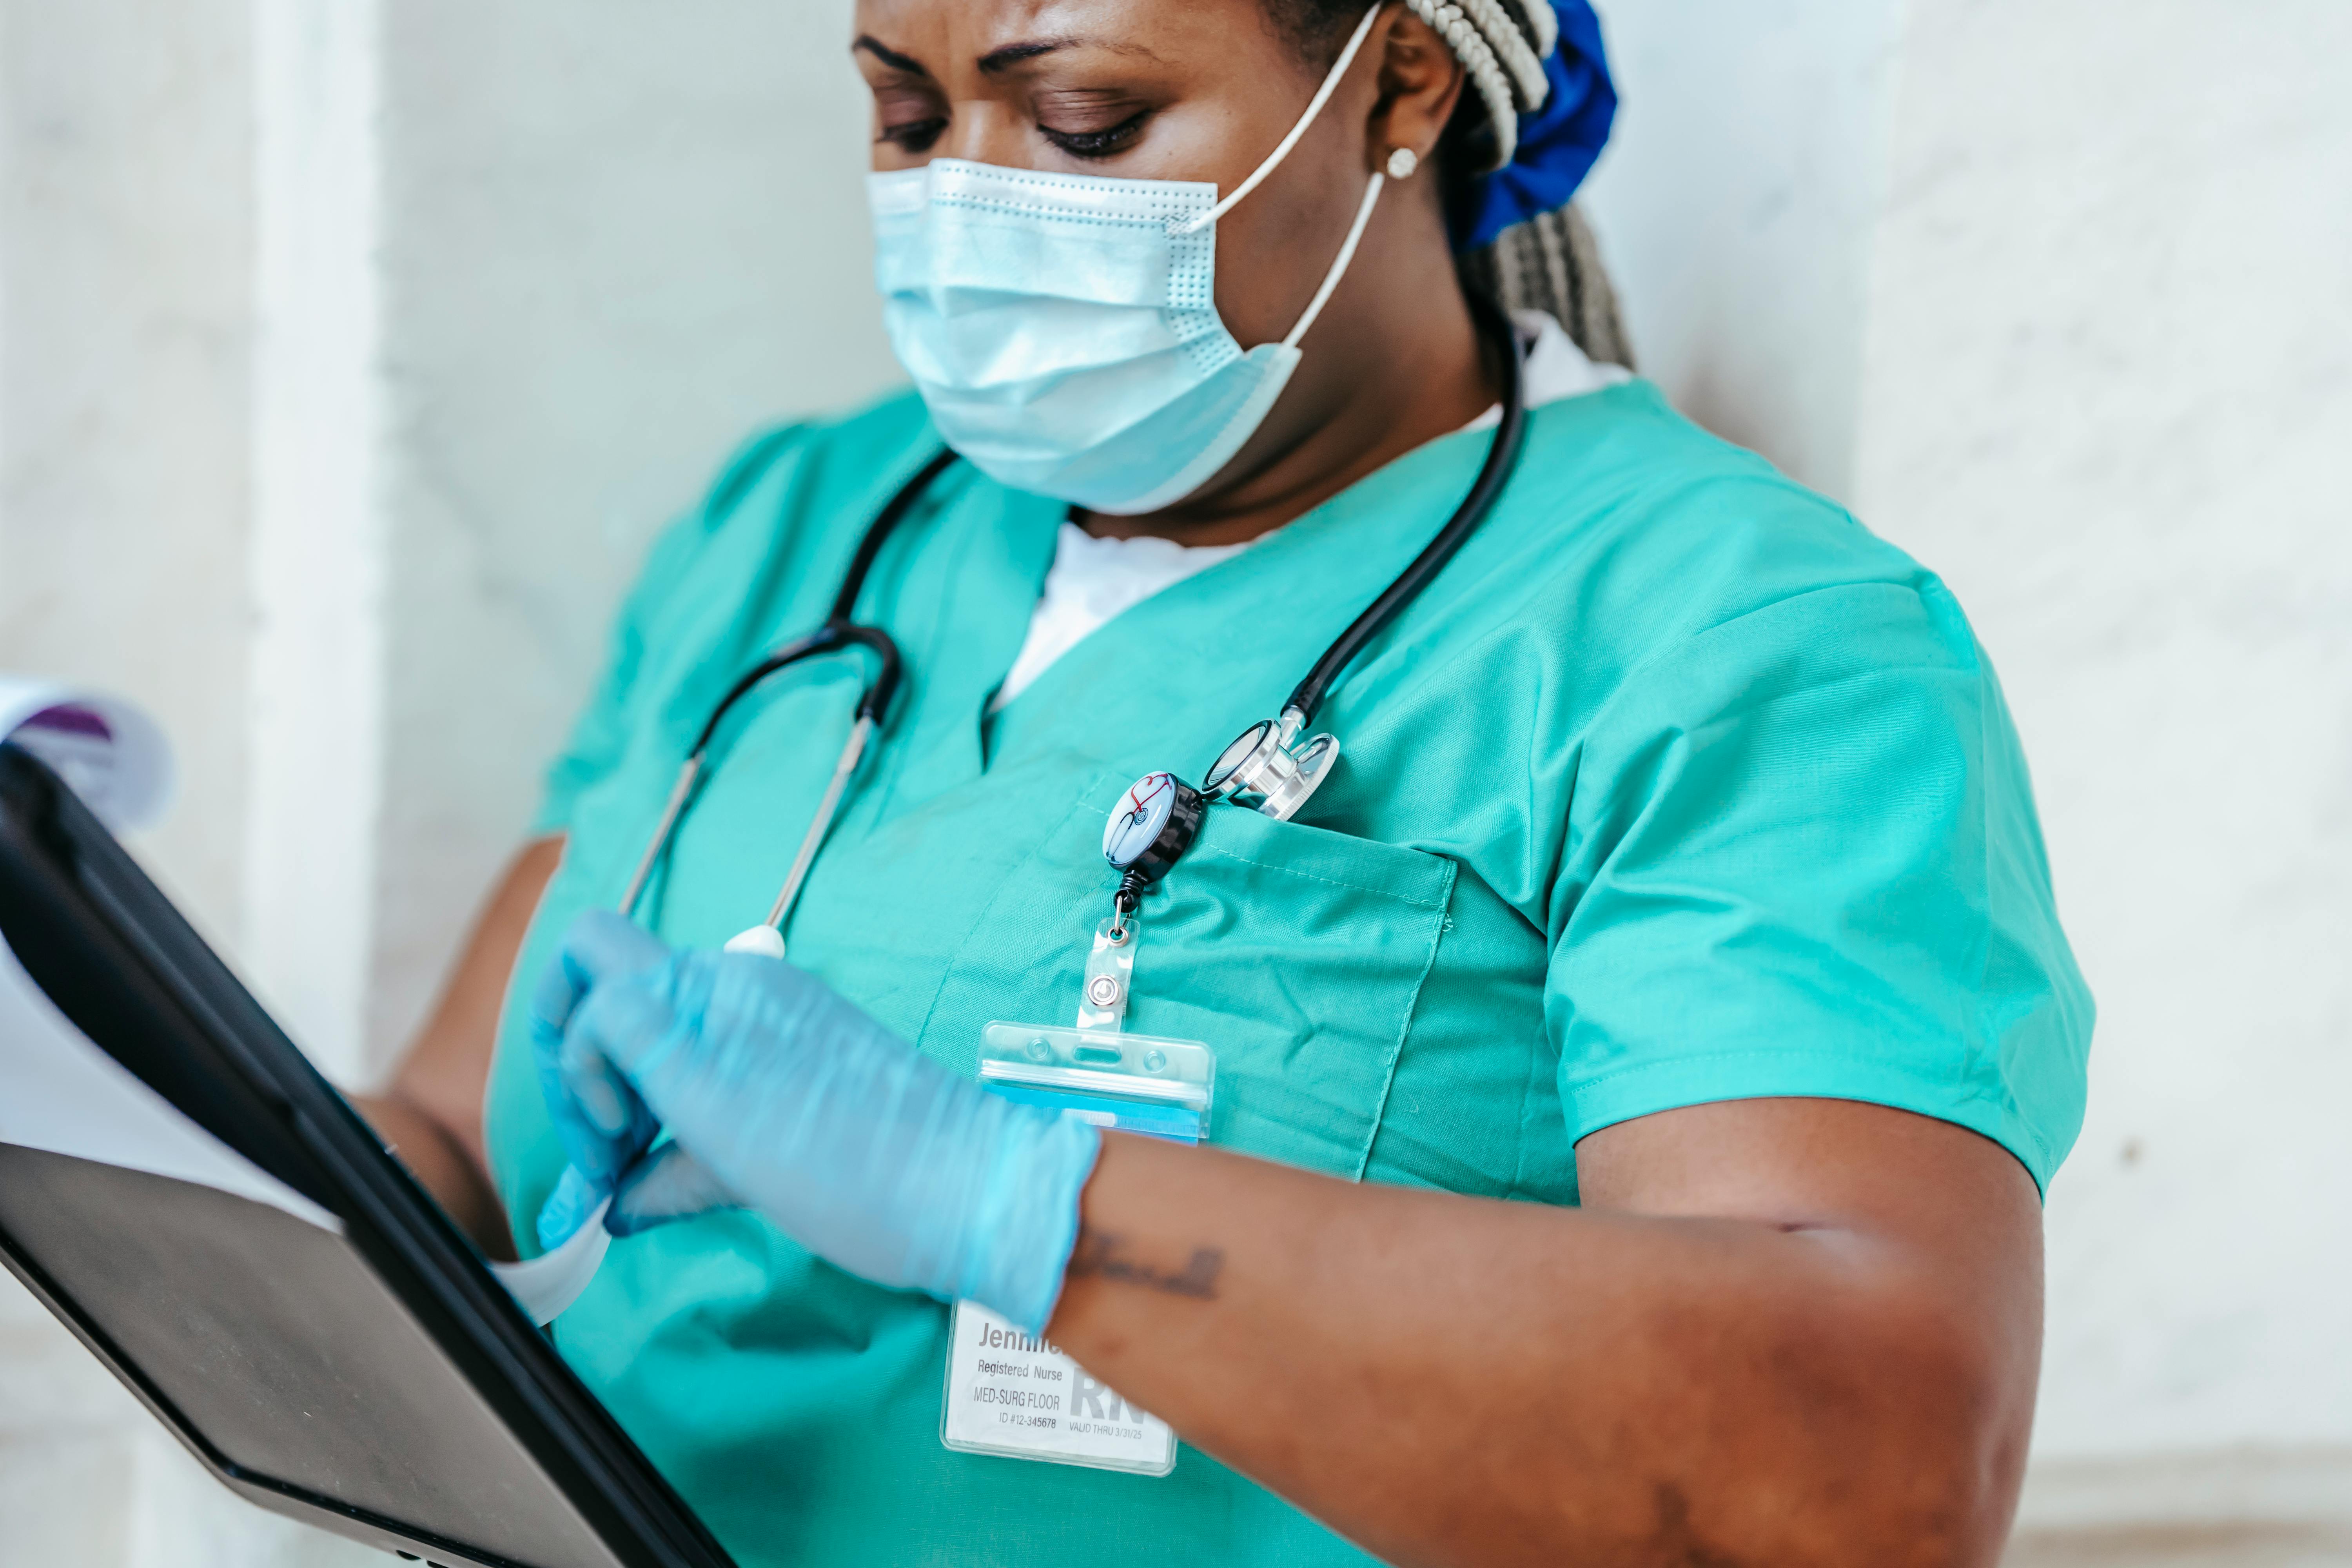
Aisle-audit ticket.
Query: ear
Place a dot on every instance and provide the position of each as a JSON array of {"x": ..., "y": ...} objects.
[{"x": 1421, "y": 81}]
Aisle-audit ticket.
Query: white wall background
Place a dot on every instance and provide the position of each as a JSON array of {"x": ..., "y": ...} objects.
[
  {"x": 1738, "y": 199},
  {"x": 351, "y": 353},
  {"x": 2108, "y": 393},
  {"x": 617, "y": 236}
]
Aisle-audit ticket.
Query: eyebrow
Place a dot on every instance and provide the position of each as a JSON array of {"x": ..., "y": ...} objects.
[
  {"x": 998, "y": 60},
  {"x": 889, "y": 57},
  {"x": 1011, "y": 54}
]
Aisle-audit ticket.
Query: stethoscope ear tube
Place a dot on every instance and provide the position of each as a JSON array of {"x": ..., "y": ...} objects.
[
  {"x": 819, "y": 825},
  {"x": 687, "y": 774}
]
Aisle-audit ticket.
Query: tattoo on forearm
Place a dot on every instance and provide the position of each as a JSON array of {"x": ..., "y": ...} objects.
[{"x": 1102, "y": 1255}]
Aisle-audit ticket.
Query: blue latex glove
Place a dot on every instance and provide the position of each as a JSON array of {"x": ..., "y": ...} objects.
[{"x": 780, "y": 1094}]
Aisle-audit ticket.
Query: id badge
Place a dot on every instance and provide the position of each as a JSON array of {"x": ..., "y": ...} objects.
[{"x": 1015, "y": 1395}]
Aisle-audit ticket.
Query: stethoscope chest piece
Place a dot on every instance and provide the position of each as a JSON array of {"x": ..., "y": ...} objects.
[{"x": 1264, "y": 771}]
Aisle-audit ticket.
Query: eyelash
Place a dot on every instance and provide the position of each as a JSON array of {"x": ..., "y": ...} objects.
[
  {"x": 914, "y": 136},
  {"x": 917, "y": 136},
  {"x": 1101, "y": 143}
]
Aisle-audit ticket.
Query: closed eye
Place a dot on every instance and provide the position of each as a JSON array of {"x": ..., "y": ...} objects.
[
  {"x": 1105, "y": 143},
  {"x": 914, "y": 135}
]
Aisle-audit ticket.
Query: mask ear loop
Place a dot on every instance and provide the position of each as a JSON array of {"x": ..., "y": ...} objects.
[
  {"x": 1339, "y": 266},
  {"x": 1314, "y": 107},
  {"x": 1274, "y": 161}
]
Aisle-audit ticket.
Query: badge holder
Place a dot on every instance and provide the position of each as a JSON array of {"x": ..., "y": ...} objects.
[{"x": 1016, "y": 1394}]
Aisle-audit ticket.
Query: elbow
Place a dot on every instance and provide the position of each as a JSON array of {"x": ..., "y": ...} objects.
[
  {"x": 1858, "y": 1428},
  {"x": 1911, "y": 1423}
]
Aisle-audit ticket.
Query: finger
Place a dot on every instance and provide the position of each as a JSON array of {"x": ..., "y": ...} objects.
[
  {"x": 591, "y": 952},
  {"x": 668, "y": 1185},
  {"x": 625, "y": 1021},
  {"x": 618, "y": 1021},
  {"x": 567, "y": 1209},
  {"x": 602, "y": 946},
  {"x": 559, "y": 991},
  {"x": 596, "y": 1115},
  {"x": 581, "y": 1130}
]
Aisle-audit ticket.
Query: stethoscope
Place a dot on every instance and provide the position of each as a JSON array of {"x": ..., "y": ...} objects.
[{"x": 1268, "y": 768}]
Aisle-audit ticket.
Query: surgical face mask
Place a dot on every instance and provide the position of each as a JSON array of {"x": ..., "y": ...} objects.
[{"x": 1062, "y": 329}]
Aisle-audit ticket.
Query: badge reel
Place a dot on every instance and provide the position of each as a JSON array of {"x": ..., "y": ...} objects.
[{"x": 1015, "y": 1395}]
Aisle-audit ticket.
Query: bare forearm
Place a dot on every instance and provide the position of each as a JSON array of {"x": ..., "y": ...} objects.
[
  {"x": 1448, "y": 1380},
  {"x": 431, "y": 1112}
]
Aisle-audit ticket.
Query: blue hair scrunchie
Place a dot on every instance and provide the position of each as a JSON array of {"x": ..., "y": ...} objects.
[{"x": 1557, "y": 144}]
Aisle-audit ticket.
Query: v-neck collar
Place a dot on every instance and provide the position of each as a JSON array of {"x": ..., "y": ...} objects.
[
  {"x": 1234, "y": 637},
  {"x": 1243, "y": 630},
  {"x": 963, "y": 614}
]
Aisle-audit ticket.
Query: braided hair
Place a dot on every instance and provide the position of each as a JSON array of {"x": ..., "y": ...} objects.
[{"x": 1547, "y": 260}]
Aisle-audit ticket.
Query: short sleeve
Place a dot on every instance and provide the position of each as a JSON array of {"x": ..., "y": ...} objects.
[{"x": 1803, "y": 861}]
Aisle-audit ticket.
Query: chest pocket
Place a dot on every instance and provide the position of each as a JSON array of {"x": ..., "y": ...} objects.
[{"x": 1298, "y": 955}]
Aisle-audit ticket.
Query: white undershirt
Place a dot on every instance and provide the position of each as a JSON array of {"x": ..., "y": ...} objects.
[{"x": 1093, "y": 581}]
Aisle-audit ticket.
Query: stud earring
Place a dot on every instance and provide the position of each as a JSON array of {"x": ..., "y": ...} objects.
[{"x": 1402, "y": 162}]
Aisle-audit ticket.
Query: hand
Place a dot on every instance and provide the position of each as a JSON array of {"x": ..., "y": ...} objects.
[{"x": 781, "y": 1094}]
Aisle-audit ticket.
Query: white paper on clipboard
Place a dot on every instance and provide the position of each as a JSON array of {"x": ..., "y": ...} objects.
[
  {"x": 109, "y": 752},
  {"x": 60, "y": 1093}
]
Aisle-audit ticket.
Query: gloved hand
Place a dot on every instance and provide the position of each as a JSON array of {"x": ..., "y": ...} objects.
[{"x": 780, "y": 1094}]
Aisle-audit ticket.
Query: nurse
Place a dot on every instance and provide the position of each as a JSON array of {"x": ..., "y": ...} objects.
[{"x": 1636, "y": 1065}]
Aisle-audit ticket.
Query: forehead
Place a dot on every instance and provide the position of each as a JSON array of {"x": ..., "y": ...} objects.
[{"x": 962, "y": 31}]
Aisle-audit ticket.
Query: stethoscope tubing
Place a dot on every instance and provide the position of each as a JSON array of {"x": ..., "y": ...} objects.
[
  {"x": 885, "y": 522},
  {"x": 1502, "y": 460},
  {"x": 839, "y": 632}
]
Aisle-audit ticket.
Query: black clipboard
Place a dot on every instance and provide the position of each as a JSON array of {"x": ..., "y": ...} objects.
[{"x": 378, "y": 1382}]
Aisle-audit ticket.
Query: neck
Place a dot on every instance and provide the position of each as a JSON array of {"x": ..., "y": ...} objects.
[{"x": 1403, "y": 368}]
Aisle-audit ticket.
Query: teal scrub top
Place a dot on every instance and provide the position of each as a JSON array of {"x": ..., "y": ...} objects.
[{"x": 1675, "y": 786}]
